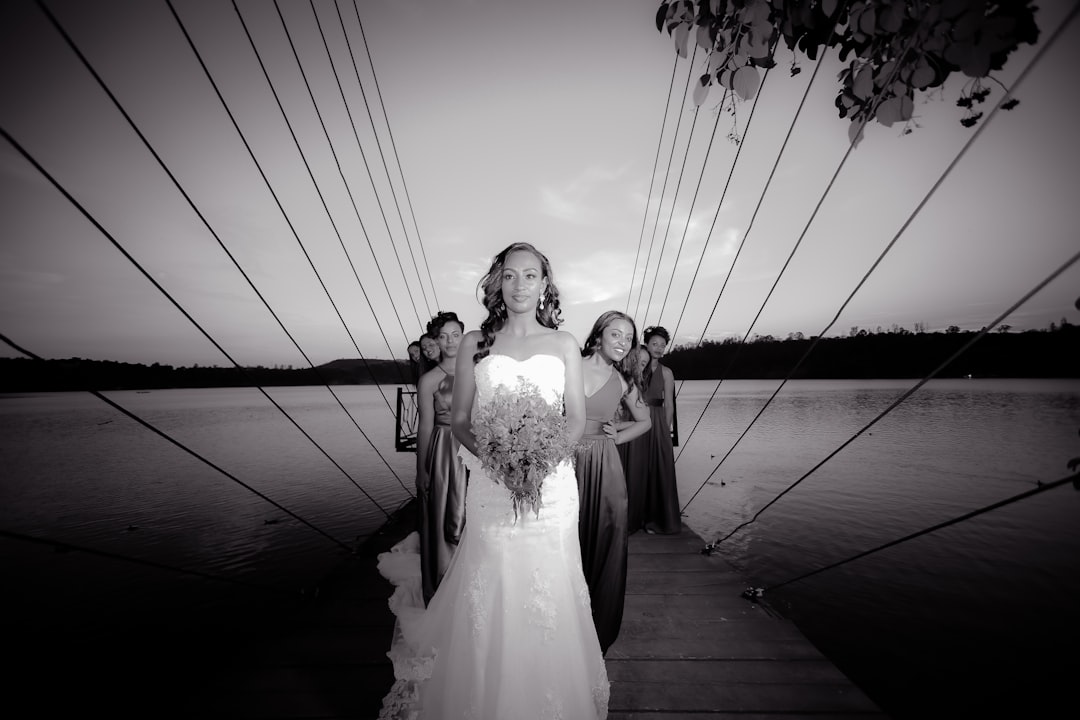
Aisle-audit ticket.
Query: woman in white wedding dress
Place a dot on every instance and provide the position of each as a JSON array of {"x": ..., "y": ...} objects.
[{"x": 509, "y": 634}]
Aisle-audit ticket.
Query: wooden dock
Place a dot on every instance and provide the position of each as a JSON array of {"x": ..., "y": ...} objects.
[{"x": 690, "y": 647}]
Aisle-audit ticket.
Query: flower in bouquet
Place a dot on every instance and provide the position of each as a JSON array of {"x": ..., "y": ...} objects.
[{"x": 520, "y": 439}]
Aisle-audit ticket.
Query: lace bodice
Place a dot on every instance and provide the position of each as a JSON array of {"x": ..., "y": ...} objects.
[
  {"x": 488, "y": 502},
  {"x": 495, "y": 373}
]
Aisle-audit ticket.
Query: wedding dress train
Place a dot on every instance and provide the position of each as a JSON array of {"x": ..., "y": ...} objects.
[{"x": 509, "y": 634}]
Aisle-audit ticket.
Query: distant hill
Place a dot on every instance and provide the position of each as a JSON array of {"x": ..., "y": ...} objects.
[{"x": 26, "y": 375}]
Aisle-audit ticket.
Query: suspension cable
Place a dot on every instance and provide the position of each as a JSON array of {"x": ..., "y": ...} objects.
[
  {"x": 393, "y": 145},
  {"x": 663, "y": 188},
  {"x": 911, "y": 217},
  {"x": 183, "y": 447},
  {"x": 1042, "y": 487},
  {"x": 697, "y": 189},
  {"x": 690, "y": 212},
  {"x": 671, "y": 212},
  {"x": 330, "y": 143},
  {"x": 719, "y": 205},
  {"x": 116, "y": 102},
  {"x": 179, "y": 307},
  {"x": 319, "y": 192},
  {"x": 742, "y": 242},
  {"x": 798, "y": 241},
  {"x": 1009, "y": 311},
  {"x": 277, "y": 200},
  {"x": 378, "y": 144},
  {"x": 652, "y": 181}
]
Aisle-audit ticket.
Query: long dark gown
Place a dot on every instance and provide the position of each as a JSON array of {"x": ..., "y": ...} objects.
[
  {"x": 635, "y": 459},
  {"x": 442, "y": 502},
  {"x": 602, "y": 513},
  {"x": 661, "y": 491}
]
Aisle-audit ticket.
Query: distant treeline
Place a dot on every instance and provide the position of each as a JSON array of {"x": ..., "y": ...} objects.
[
  {"x": 897, "y": 353},
  {"x": 863, "y": 354},
  {"x": 26, "y": 375}
]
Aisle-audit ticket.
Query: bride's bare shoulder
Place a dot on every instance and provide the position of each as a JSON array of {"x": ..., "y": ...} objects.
[
  {"x": 470, "y": 340},
  {"x": 566, "y": 343}
]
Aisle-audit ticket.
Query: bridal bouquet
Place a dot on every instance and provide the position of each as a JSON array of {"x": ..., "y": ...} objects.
[{"x": 520, "y": 439}]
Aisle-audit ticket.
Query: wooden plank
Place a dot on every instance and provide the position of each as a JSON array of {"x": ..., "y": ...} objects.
[
  {"x": 680, "y": 562},
  {"x": 809, "y": 698},
  {"x": 683, "y": 583},
  {"x": 710, "y": 640},
  {"x": 706, "y": 715},
  {"x": 690, "y": 648},
  {"x": 705, "y": 607},
  {"x": 709, "y": 671},
  {"x": 642, "y": 543}
]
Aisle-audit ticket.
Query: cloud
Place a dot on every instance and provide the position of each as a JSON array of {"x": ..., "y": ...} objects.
[
  {"x": 581, "y": 282},
  {"x": 576, "y": 200},
  {"x": 29, "y": 278}
]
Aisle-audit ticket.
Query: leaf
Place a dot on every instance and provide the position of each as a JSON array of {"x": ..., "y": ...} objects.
[
  {"x": 863, "y": 85},
  {"x": 755, "y": 11},
  {"x": 701, "y": 90},
  {"x": 957, "y": 53},
  {"x": 829, "y": 7},
  {"x": 888, "y": 112},
  {"x": 716, "y": 61},
  {"x": 703, "y": 39},
  {"x": 893, "y": 18},
  {"x": 923, "y": 75},
  {"x": 661, "y": 16},
  {"x": 682, "y": 35},
  {"x": 855, "y": 132},
  {"x": 868, "y": 21},
  {"x": 977, "y": 63},
  {"x": 967, "y": 25},
  {"x": 758, "y": 45},
  {"x": 907, "y": 108},
  {"x": 745, "y": 82}
]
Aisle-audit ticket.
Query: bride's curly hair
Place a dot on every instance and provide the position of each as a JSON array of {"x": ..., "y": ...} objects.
[
  {"x": 628, "y": 366},
  {"x": 490, "y": 289}
]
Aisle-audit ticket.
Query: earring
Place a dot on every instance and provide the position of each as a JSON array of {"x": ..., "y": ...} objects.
[{"x": 541, "y": 302}]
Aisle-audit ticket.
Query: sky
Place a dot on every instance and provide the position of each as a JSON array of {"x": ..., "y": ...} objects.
[{"x": 511, "y": 121}]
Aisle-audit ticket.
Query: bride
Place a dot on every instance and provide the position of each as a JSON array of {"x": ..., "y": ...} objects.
[{"x": 509, "y": 633}]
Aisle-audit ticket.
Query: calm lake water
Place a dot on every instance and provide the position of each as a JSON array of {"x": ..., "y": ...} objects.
[{"x": 978, "y": 615}]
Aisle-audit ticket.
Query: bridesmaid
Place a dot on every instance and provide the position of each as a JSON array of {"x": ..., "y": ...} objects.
[
  {"x": 662, "y": 493},
  {"x": 608, "y": 371},
  {"x": 440, "y": 473},
  {"x": 414, "y": 360},
  {"x": 635, "y": 453},
  {"x": 429, "y": 353}
]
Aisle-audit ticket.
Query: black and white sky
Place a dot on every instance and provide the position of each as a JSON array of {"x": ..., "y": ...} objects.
[{"x": 532, "y": 121}]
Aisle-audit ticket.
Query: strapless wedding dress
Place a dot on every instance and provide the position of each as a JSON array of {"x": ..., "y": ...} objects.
[{"x": 509, "y": 635}]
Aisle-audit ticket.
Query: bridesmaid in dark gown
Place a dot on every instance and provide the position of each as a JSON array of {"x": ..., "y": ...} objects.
[
  {"x": 662, "y": 494},
  {"x": 608, "y": 374},
  {"x": 440, "y": 473},
  {"x": 635, "y": 453}
]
